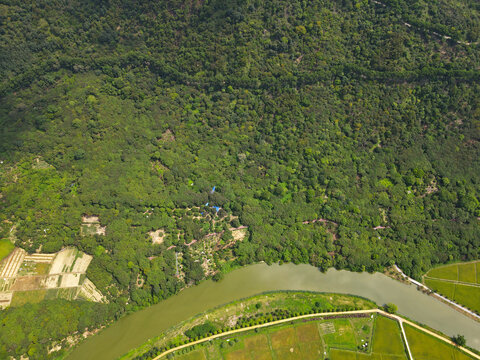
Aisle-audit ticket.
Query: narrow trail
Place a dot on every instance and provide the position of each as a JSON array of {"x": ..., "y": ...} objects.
[{"x": 282, "y": 321}]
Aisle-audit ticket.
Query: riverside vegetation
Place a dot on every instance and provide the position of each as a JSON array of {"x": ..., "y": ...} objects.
[{"x": 335, "y": 135}]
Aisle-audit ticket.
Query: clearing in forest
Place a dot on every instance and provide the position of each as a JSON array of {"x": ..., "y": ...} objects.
[{"x": 91, "y": 226}]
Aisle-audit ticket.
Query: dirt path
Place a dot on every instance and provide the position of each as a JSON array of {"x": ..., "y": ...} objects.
[{"x": 277, "y": 322}]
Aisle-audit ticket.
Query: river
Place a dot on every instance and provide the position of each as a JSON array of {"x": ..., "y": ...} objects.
[{"x": 133, "y": 330}]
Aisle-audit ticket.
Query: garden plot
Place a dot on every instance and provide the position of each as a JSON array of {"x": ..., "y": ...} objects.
[
  {"x": 65, "y": 261},
  {"x": 89, "y": 291},
  {"x": 12, "y": 263},
  {"x": 327, "y": 328}
]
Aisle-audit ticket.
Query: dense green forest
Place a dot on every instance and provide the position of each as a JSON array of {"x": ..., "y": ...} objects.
[{"x": 363, "y": 114}]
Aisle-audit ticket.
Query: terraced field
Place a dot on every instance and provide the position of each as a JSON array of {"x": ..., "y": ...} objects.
[
  {"x": 28, "y": 278},
  {"x": 459, "y": 282}
]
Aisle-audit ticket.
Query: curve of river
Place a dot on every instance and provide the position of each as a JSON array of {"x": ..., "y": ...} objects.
[{"x": 133, "y": 330}]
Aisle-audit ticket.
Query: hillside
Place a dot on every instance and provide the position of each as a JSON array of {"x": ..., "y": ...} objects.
[{"x": 336, "y": 133}]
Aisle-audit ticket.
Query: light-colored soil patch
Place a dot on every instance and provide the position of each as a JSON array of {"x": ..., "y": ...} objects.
[
  {"x": 239, "y": 234},
  {"x": 70, "y": 280},
  {"x": 81, "y": 264},
  {"x": 168, "y": 136},
  {"x": 63, "y": 261},
  {"x": 157, "y": 236},
  {"x": 51, "y": 282},
  {"x": 12, "y": 263},
  {"x": 89, "y": 291},
  {"x": 90, "y": 219},
  {"x": 40, "y": 258},
  {"x": 24, "y": 283},
  {"x": 5, "y": 299}
]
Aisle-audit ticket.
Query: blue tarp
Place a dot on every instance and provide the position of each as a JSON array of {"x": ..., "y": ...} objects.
[{"x": 213, "y": 190}]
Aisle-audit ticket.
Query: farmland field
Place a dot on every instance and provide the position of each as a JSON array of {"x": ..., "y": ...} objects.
[
  {"x": 335, "y": 339},
  {"x": 6, "y": 248},
  {"x": 426, "y": 347},
  {"x": 458, "y": 282}
]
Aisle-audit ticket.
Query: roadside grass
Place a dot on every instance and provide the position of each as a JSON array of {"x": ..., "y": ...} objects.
[
  {"x": 442, "y": 287},
  {"x": 426, "y": 347},
  {"x": 6, "y": 247},
  {"x": 449, "y": 272},
  {"x": 387, "y": 338},
  {"x": 466, "y": 273},
  {"x": 194, "y": 355},
  {"x": 22, "y": 297}
]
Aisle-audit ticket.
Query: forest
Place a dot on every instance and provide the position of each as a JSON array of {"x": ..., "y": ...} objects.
[{"x": 338, "y": 133}]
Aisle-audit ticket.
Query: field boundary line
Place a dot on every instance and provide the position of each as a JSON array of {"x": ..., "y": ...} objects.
[
  {"x": 410, "y": 357},
  {"x": 456, "y": 282},
  {"x": 300, "y": 317}
]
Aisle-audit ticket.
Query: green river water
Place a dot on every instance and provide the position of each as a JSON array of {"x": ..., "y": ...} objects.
[{"x": 133, "y": 330}]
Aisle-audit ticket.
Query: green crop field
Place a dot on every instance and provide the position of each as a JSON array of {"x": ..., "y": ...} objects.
[
  {"x": 387, "y": 339},
  {"x": 442, "y": 287},
  {"x": 449, "y": 272},
  {"x": 426, "y": 347},
  {"x": 6, "y": 248},
  {"x": 335, "y": 339},
  {"x": 455, "y": 287},
  {"x": 467, "y": 273}
]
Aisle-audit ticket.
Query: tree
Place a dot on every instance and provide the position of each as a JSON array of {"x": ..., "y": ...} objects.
[
  {"x": 459, "y": 340},
  {"x": 390, "y": 308}
]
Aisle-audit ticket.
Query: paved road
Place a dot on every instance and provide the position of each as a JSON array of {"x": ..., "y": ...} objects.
[{"x": 371, "y": 311}]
